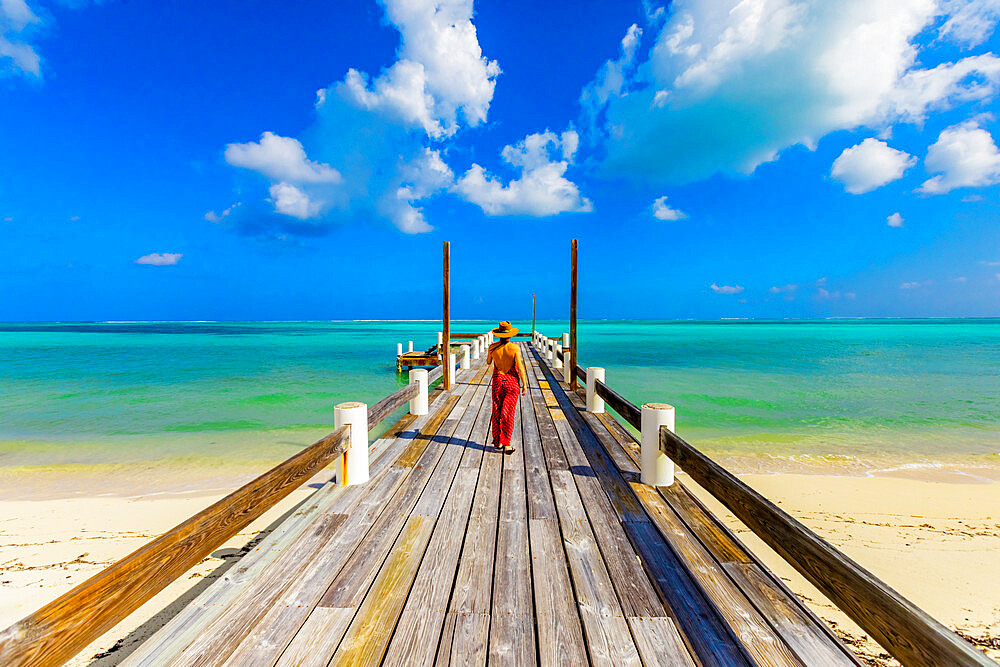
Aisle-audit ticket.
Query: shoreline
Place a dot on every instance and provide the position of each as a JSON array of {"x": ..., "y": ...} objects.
[{"x": 934, "y": 541}]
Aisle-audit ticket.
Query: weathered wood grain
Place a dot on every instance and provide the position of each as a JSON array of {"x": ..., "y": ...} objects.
[
  {"x": 60, "y": 629},
  {"x": 658, "y": 642},
  {"x": 317, "y": 639},
  {"x": 560, "y": 635},
  {"x": 797, "y": 629},
  {"x": 904, "y": 630},
  {"x": 397, "y": 399},
  {"x": 604, "y": 625}
]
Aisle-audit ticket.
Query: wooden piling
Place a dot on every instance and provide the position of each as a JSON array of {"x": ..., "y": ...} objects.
[
  {"x": 571, "y": 361},
  {"x": 446, "y": 314}
]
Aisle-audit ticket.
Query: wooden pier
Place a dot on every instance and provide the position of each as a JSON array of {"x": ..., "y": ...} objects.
[{"x": 455, "y": 553}]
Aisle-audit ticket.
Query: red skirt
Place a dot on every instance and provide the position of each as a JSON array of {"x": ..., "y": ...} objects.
[{"x": 506, "y": 389}]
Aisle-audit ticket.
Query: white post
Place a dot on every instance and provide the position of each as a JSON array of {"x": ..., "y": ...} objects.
[
  {"x": 399, "y": 349},
  {"x": 657, "y": 468},
  {"x": 595, "y": 403},
  {"x": 466, "y": 363},
  {"x": 567, "y": 368},
  {"x": 353, "y": 466},
  {"x": 556, "y": 361},
  {"x": 418, "y": 404},
  {"x": 550, "y": 349},
  {"x": 450, "y": 370},
  {"x": 475, "y": 349},
  {"x": 410, "y": 345},
  {"x": 440, "y": 340}
]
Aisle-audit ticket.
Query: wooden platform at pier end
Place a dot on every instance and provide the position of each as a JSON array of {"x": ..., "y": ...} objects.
[{"x": 457, "y": 554}]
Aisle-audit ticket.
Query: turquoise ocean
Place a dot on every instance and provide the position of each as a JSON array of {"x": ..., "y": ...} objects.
[{"x": 130, "y": 407}]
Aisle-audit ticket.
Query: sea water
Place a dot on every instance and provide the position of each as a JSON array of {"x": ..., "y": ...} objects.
[{"x": 198, "y": 402}]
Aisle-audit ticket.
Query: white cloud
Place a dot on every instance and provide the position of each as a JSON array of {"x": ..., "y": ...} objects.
[
  {"x": 972, "y": 198},
  {"x": 970, "y": 22},
  {"x": 661, "y": 211},
  {"x": 542, "y": 188},
  {"x": 17, "y": 25},
  {"x": 440, "y": 69},
  {"x": 280, "y": 159},
  {"x": 708, "y": 99},
  {"x": 894, "y": 220},
  {"x": 611, "y": 78},
  {"x": 726, "y": 289},
  {"x": 963, "y": 156},
  {"x": 8, "y": 219},
  {"x": 74, "y": 218},
  {"x": 869, "y": 165},
  {"x": 779, "y": 289},
  {"x": 290, "y": 200},
  {"x": 914, "y": 284},
  {"x": 160, "y": 258},
  {"x": 983, "y": 262},
  {"x": 212, "y": 216}
]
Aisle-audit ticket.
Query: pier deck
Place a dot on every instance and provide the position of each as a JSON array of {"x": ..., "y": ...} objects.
[{"x": 457, "y": 554}]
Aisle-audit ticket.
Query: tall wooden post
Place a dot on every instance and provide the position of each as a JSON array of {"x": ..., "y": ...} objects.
[
  {"x": 446, "y": 314},
  {"x": 532, "y": 314},
  {"x": 572, "y": 314}
]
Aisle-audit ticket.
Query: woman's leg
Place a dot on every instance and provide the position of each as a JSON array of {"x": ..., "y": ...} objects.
[
  {"x": 497, "y": 408},
  {"x": 511, "y": 392}
]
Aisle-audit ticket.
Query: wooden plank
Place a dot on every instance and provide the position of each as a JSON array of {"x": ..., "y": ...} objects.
[
  {"x": 723, "y": 545},
  {"x": 317, "y": 639},
  {"x": 512, "y": 627},
  {"x": 904, "y": 630},
  {"x": 709, "y": 639},
  {"x": 795, "y": 627},
  {"x": 470, "y": 639},
  {"x": 394, "y": 401},
  {"x": 421, "y": 620},
  {"x": 331, "y": 498},
  {"x": 758, "y": 637},
  {"x": 560, "y": 635},
  {"x": 368, "y": 636},
  {"x": 62, "y": 628},
  {"x": 253, "y": 632},
  {"x": 604, "y": 625},
  {"x": 539, "y": 494},
  {"x": 658, "y": 642}
]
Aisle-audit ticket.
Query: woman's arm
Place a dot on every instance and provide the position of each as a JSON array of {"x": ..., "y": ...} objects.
[{"x": 521, "y": 371}]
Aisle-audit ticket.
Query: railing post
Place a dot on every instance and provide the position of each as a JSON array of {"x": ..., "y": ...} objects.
[
  {"x": 409, "y": 345},
  {"x": 657, "y": 468},
  {"x": 399, "y": 349},
  {"x": 353, "y": 466},
  {"x": 450, "y": 368},
  {"x": 418, "y": 404},
  {"x": 567, "y": 367},
  {"x": 440, "y": 340},
  {"x": 475, "y": 349},
  {"x": 549, "y": 349},
  {"x": 556, "y": 361},
  {"x": 466, "y": 363},
  {"x": 595, "y": 403}
]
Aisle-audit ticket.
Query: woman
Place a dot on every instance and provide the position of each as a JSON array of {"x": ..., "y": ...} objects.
[{"x": 509, "y": 378}]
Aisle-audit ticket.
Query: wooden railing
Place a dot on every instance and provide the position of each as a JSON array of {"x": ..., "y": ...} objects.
[
  {"x": 904, "y": 630},
  {"x": 64, "y": 627}
]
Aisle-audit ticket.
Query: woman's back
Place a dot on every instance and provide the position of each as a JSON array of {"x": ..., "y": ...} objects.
[{"x": 506, "y": 357}]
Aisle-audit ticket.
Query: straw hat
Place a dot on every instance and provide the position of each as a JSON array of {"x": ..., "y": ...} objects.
[{"x": 505, "y": 330}]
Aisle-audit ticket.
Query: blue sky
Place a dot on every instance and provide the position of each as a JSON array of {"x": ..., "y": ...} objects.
[{"x": 716, "y": 158}]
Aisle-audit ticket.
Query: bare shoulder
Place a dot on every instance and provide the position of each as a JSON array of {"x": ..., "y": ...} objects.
[{"x": 494, "y": 346}]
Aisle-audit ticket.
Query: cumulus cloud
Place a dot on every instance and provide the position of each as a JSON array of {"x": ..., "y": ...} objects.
[
  {"x": 729, "y": 84},
  {"x": 280, "y": 159},
  {"x": 970, "y": 22},
  {"x": 894, "y": 220},
  {"x": 380, "y": 133},
  {"x": 541, "y": 189},
  {"x": 212, "y": 216},
  {"x": 18, "y": 24},
  {"x": 289, "y": 200},
  {"x": 160, "y": 259},
  {"x": 779, "y": 289},
  {"x": 869, "y": 165},
  {"x": 611, "y": 78},
  {"x": 440, "y": 70},
  {"x": 963, "y": 156},
  {"x": 726, "y": 289},
  {"x": 663, "y": 212}
]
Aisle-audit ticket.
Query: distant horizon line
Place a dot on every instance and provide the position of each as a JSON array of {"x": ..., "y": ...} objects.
[{"x": 600, "y": 319}]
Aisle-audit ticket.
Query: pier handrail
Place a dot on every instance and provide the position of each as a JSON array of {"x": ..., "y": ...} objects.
[
  {"x": 61, "y": 629},
  {"x": 907, "y": 632}
]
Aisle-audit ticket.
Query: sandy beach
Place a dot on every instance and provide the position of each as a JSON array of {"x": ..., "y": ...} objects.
[{"x": 935, "y": 542}]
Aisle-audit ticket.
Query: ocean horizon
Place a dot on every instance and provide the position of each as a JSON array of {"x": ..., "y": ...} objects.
[{"x": 154, "y": 406}]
